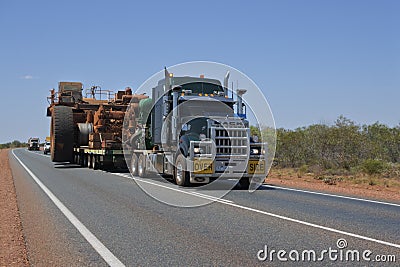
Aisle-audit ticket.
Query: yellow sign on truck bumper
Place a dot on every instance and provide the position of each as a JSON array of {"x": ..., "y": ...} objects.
[
  {"x": 203, "y": 166},
  {"x": 256, "y": 167}
]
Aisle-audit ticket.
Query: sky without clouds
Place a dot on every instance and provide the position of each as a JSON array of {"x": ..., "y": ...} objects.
[{"x": 314, "y": 60}]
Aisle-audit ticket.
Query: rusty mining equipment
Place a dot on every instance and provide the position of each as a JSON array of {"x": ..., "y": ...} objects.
[{"x": 88, "y": 130}]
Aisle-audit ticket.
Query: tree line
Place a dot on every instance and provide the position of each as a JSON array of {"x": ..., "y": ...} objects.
[
  {"x": 343, "y": 145},
  {"x": 13, "y": 144}
]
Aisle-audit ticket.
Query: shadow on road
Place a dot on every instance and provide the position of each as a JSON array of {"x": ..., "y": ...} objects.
[
  {"x": 66, "y": 165},
  {"x": 217, "y": 185}
]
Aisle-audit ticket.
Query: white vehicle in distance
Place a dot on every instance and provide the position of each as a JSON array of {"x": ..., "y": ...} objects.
[{"x": 46, "y": 147}]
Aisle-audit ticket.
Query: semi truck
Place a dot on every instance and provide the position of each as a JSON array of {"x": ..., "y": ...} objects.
[
  {"x": 33, "y": 143},
  {"x": 193, "y": 134},
  {"x": 46, "y": 146},
  {"x": 191, "y": 130}
]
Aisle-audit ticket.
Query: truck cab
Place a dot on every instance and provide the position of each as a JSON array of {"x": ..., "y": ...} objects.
[
  {"x": 196, "y": 136},
  {"x": 70, "y": 92},
  {"x": 33, "y": 143}
]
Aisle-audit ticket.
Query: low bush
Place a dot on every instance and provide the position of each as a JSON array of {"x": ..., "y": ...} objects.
[{"x": 373, "y": 166}]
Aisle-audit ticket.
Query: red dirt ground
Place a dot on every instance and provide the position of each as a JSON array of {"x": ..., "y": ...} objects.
[
  {"x": 12, "y": 244},
  {"x": 289, "y": 178}
]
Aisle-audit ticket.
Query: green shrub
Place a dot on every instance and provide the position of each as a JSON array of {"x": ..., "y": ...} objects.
[{"x": 373, "y": 166}]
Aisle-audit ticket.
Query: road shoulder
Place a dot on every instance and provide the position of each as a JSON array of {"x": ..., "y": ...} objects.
[{"x": 12, "y": 246}]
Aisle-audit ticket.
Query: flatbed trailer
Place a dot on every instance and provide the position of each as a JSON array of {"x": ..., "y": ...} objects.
[{"x": 103, "y": 158}]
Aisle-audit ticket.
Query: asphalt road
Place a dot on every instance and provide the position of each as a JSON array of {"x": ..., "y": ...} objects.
[{"x": 74, "y": 216}]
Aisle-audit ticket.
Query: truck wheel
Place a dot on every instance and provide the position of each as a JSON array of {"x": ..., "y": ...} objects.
[
  {"x": 90, "y": 161},
  {"x": 244, "y": 183},
  {"x": 134, "y": 165},
  {"x": 142, "y": 166},
  {"x": 182, "y": 176},
  {"x": 96, "y": 162},
  {"x": 82, "y": 159},
  {"x": 76, "y": 158},
  {"x": 62, "y": 134}
]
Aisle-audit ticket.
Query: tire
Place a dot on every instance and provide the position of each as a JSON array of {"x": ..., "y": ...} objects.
[
  {"x": 142, "y": 166},
  {"x": 76, "y": 158},
  {"x": 90, "y": 161},
  {"x": 85, "y": 160},
  {"x": 181, "y": 175},
  {"x": 62, "y": 134},
  {"x": 82, "y": 161},
  {"x": 96, "y": 162},
  {"x": 134, "y": 165},
  {"x": 244, "y": 183}
]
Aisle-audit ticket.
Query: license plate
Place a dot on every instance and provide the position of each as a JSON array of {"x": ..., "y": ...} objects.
[
  {"x": 203, "y": 166},
  {"x": 256, "y": 167}
]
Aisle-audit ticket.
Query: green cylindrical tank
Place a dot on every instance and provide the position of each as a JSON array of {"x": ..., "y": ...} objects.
[{"x": 145, "y": 106}]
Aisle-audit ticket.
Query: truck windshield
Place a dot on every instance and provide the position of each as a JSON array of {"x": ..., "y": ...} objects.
[
  {"x": 197, "y": 108},
  {"x": 72, "y": 88},
  {"x": 202, "y": 88}
]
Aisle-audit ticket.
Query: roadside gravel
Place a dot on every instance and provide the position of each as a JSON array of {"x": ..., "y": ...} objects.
[{"x": 12, "y": 244}]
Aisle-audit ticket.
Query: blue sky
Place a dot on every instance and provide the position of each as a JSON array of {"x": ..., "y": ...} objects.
[{"x": 314, "y": 60}]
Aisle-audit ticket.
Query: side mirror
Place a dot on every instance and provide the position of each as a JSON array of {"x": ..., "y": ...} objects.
[{"x": 185, "y": 127}]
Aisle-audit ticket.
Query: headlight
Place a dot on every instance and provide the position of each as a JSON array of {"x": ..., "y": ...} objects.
[
  {"x": 197, "y": 150},
  {"x": 254, "y": 151}
]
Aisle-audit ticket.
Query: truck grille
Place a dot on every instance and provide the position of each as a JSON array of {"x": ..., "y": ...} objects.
[{"x": 231, "y": 138}]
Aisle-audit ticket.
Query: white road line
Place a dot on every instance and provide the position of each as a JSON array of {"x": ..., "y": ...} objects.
[
  {"x": 103, "y": 251},
  {"x": 196, "y": 194},
  {"x": 332, "y": 195},
  {"x": 279, "y": 216},
  {"x": 40, "y": 154}
]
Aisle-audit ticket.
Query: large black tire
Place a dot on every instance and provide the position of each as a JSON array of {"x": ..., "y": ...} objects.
[
  {"x": 182, "y": 176},
  {"x": 142, "y": 166},
  {"x": 134, "y": 165},
  {"x": 244, "y": 183},
  {"x": 96, "y": 162},
  {"x": 90, "y": 161},
  {"x": 62, "y": 134}
]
